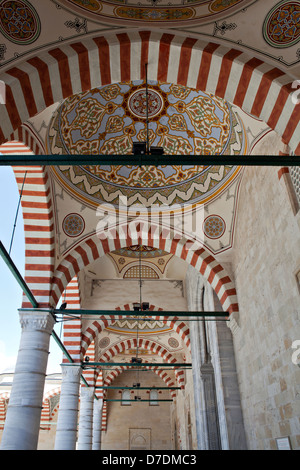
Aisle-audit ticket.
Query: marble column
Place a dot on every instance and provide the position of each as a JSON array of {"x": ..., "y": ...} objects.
[
  {"x": 85, "y": 431},
  {"x": 97, "y": 424},
  {"x": 66, "y": 431},
  {"x": 194, "y": 288},
  {"x": 21, "y": 430},
  {"x": 231, "y": 423}
]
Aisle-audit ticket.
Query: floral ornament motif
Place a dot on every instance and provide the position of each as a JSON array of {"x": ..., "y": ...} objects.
[
  {"x": 73, "y": 225},
  {"x": 109, "y": 119},
  {"x": 282, "y": 25},
  {"x": 214, "y": 226},
  {"x": 220, "y": 5},
  {"x": 19, "y": 21},
  {"x": 152, "y": 14}
]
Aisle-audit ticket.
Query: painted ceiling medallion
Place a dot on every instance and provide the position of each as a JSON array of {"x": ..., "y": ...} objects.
[
  {"x": 19, "y": 21},
  {"x": 137, "y": 103},
  {"x": 282, "y": 24},
  {"x": 73, "y": 225},
  {"x": 214, "y": 227},
  {"x": 108, "y": 120}
]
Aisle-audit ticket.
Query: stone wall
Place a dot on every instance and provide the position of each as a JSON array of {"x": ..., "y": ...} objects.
[
  {"x": 266, "y": 260},
  {"x": 138, "y": 424}
]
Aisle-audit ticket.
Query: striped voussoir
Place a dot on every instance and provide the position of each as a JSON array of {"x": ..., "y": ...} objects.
[
  {"x": 72, "y": 327},
  {"x": 48, "y": 413},
  {"x": 153, "y": 346},
  {"x": 38, "y": 220},
  {"x": 93, "y": 248},
  {"x": 99, "y": 325},
  {"x": 4, "y": 398},
  {"x": 160, "y": 372},
  {"x": 259, "y": 88}
]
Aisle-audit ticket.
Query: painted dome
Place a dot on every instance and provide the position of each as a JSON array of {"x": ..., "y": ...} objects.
[
  {"x": 154, "y": 11},
  {"x": 108, "y": 120}
]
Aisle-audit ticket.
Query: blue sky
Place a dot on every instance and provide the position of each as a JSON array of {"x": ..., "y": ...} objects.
[{"x": 10, "y": 291}]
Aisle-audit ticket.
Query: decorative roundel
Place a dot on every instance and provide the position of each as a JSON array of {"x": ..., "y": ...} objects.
[
  {"x": 282, "y": 25},
  {"x": 137, "y": 103},
  {"x": 214, "y": 226},
  {"x": 19, "y": 21},
  {"x": 104, "y": 342},
  {"x": 73, "y": 225},
  {"x": 173, "y": 343}
]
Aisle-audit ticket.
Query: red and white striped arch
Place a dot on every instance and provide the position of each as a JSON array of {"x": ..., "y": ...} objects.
[
  {"x": 160, "y": 372},
  {"x": 153, "y": 346},
  {"x": 48, "y": 414},
  {"x": 89, "y": 335},
  {"x": 38, "y": 219},
  {"x": 93, "y": 248},
  {"x": 180, "y": 327},
  {"x": 4, "y": 398},
  {"x": 257, "y": 87},
  {"x": 72, "y": 327}
]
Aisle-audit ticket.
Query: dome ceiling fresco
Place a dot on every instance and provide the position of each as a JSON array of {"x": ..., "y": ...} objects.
[{"x": 108, "y": 120}]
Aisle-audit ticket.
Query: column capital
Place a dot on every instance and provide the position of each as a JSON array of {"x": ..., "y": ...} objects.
[{"x": 35, "y": 320}]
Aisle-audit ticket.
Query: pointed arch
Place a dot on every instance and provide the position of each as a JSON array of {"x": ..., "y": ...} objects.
[
  {"x": 153, "y": 346},
  {"x": 53, "y": 75},
  {"x": 92, "y": 248},
  {"x": 161, "y": 373}
]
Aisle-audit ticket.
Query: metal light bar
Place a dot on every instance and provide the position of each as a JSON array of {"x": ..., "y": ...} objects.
[
  {"x": 136, "y": 364},
  {"x": 244, "y": 160},
  {"x": 148, "y": 370},
  {"x": 136, "y": 401},
  {"x": 137, "y": 388},
  {"x": 140, "y": 313},
  {"x": 11, "y": 265}
]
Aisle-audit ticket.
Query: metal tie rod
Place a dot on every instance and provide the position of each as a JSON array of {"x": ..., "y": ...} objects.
[
  {"x": 61, "y": 160},
  {"x": 136, "y": 364},
  {"x": 140, "y": 313}
]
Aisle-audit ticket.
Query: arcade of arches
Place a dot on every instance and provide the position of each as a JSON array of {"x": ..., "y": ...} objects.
[{"x": 222, "y": 80}]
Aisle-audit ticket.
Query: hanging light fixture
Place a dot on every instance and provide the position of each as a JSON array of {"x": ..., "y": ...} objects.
[{"x": 142, "y": 148}]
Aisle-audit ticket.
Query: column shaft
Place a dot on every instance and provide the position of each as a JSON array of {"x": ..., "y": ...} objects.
[
  {"x": 22, "y": 423},
  {"x": 85, "y": 431},
  {"x": 66, "y": 432},
  {"x": 97, "y": 424}
]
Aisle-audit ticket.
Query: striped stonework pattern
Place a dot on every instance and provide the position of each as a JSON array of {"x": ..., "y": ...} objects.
[
  {"x": 48, "y": 412},
  {"x": 4, "y": 398},
  {"x": 72, "y": 327},
  {"x": 161, "y": 373},
  {"x": 90, "y": 374},
  {"x": 51, "y": 76},
  {"x": 37, "y": 210},
  {"x": 93, "y": 248}
]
